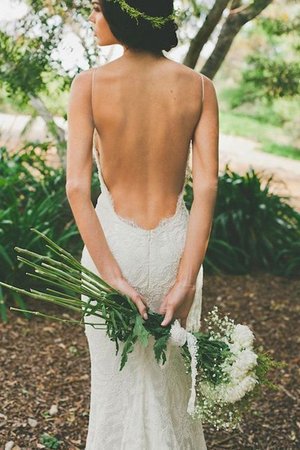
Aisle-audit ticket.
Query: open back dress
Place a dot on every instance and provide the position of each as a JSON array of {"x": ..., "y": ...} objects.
[{"x": 143, "y": 406}]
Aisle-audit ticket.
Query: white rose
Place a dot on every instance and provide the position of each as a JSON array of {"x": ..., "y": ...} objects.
[
  {"x": 237, "y": 391},
  {"x": 235, "y": 348},
  {"x": 246, "y": 360},
  {"x": 242, "y": 335}
]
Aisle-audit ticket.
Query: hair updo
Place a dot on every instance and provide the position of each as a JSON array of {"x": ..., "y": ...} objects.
[{"x": 141, "y": 35}]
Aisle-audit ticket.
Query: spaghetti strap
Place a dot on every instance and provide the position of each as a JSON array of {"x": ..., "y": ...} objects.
[
  {"x": 93, "y": 79},
  {"x": 92, "y": 92},
  {"x": 202, "y": 89}
]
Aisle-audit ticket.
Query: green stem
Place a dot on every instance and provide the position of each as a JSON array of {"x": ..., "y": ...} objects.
[
  {"x": 58, "y": 319},
  {"x": 69, "y": 277},
  {"x": 69, "y": 257},
  {"x": 59, "y": 280},
  {"x": 41, "y": 297},
  {"x": 67, "y": 267}
]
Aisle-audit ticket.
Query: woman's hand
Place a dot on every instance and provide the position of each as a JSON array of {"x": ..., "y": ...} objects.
[
  {"x": 119, "y": 282},
  {"x": 177, "y": 303}
]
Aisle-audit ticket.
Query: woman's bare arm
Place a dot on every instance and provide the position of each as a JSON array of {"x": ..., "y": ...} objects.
[
  {"x": 78, "y": 187},
  {"x": 205, "y": 165},
  {"x": 79, "y": 173}
]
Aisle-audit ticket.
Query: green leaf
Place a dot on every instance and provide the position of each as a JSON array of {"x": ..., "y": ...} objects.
[
  {"x": 140, "y": 331},
  {"x": 128, "y": 348},
  {"x": 160, "y": 347}
]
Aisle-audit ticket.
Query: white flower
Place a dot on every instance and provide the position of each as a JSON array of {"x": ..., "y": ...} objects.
[
  {"x": 242, "y": 335},
  {"x": 237, "y": 392},
  {"x": 178, "y": 334},
  {"x": 235, "y": 348},
  {"x": 246, "y": 360},
  {"x": 229, "y": 393}
]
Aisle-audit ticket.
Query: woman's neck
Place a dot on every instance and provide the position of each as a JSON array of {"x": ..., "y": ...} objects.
[{"x": 141, "y": 54}]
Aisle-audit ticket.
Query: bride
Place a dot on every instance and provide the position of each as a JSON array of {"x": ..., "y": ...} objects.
[{"x": 136, "y": 117}]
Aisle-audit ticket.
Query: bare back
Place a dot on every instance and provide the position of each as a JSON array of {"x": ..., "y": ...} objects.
[{"x": 145, "y": 116}]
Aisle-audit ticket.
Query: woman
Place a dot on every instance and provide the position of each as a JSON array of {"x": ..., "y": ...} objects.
[{"x": 140, "y": 238}]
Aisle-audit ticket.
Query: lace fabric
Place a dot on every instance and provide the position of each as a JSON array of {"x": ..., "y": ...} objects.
[{"x": 144, "y": 406}]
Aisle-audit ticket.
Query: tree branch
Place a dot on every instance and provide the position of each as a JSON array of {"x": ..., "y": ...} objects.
[
  {"x": 231, "y": 27},
  {"x": 197, "y": 43}
]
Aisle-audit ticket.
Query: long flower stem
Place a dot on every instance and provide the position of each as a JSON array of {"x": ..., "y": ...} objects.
[
  {"x": 58, "y": 319},
  {"x": 68, "y": 256},
  {"x": 64, "y": 266},
  {"x": 62, "y": 279}
]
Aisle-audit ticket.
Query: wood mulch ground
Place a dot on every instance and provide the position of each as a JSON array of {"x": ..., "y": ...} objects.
[{"x": 44, "y": 371}]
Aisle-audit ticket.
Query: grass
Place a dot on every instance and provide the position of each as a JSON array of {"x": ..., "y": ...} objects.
[
  {"x": 282, "y": 150},
  {"x": 272, "y": 125},
  {"x": 240, "y": 124}
]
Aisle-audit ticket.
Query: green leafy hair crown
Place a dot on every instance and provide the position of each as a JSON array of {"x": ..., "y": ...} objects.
[{"x": 156, "y": 21}]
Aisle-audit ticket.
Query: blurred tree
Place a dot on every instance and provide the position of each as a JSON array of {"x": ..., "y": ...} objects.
[
  {"x": 28, "y": 57},
  {"x": 234, "y": 14},
  {"x": 23, "y": 63},
  {"x": 30, "y": 63},
  {"x": 274, "y": 72},
  {"x": 211, "y": 20}
]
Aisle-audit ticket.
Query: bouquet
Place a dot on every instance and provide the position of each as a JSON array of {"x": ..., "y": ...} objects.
[{"x": 226, "y": 371}]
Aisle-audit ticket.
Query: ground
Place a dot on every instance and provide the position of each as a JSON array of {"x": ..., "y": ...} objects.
[
  {"x": 44, "y": 366},
  {"x": 45, "y": 370}
]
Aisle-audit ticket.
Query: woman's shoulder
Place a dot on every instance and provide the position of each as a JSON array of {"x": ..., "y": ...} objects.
[
  {"x": 192, "y": 80},
  {"x": 188, "y": 78},
  {"x": 82, "y": 80},
  {"x": 105, "y": 71},
  {"x": 190, "y": 75}
]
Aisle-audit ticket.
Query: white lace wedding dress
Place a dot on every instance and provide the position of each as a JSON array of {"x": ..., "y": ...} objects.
[{"x": 143, "y": 406}]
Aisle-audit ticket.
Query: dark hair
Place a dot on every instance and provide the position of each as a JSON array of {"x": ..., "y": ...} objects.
[{"x": 141, "y": 35}]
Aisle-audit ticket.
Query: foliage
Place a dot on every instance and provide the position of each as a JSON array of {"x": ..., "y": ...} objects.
[
  {"x": 272, "y": 78},
  {"x": 273, "y": 125},
  {"x": 18, "y": 56},
  {"x": 32, "y": 68},
  {"x": 253, "y": 229},
  {"x": 50, "y": 442},
  {"x": 289, "y": 258},
  {"x": 28, "y": 48},
  {"x": 26, "y": 57},
  {"x": 31, "y": 193},
  {"x": 274, "y": 70},
  {"x": 135, "y": 13}
]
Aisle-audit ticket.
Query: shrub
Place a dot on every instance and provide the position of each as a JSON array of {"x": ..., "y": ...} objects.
[
  {"x": 253, "y": 229},
  {"x": 32, "y": 194}
]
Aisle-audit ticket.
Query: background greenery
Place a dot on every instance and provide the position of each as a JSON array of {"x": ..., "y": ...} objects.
[
  {"x": 250, "y": 48},
  {"x": 253, "y": 229}
]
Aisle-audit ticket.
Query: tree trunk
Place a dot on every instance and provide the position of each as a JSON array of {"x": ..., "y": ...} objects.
[
  {"x": 197, "y": 43},
  {"x": 234, "y": 22},
  {"x": 57, "y": 132}
]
